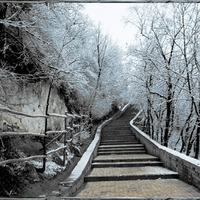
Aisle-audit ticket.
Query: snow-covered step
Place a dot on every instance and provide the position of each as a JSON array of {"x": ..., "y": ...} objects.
[
  {"x": 130, "y": 173},
  {"x": 117, "y": 149},
  {"x": 126, "y": 158},
  {"x": 126, "y": 164},
  {"x": 120, "y": 146},
  {"x": 122, "y": 152}
]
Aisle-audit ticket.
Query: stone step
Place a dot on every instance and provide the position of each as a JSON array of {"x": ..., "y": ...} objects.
[
  {"x": 119, "y": 142},
  {"x": 114, "y": 128},
  {"x": 130, "y": 173},
  {"x": 120, "y": 149},
  {"x": 121, "y": 125},
  {"x": 113, "y": 141},
  {"x": 130, "y": 177},
  {"x": 120, "y": 146},
  {"x": 122, "y": 152},
  {"x": 119, "y": 137},
  {"x": 118, "y": 125},
  {"x": 126, "y": 158},
  {"x": 124, "y": 124},
  {"x": 117, "y": 133},
  {"x": 129, "y": 138},
  {"x": 159, "y": 189},
  {"x": 126, "y": 164}
]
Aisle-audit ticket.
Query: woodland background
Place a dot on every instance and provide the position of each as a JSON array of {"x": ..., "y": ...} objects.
[{"x": 56, "y": 48}]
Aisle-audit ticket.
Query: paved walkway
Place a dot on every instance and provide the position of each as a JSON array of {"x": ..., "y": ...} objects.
[
  {"x": 123, "y": 168},
  {"x": 165, "y": 188}
]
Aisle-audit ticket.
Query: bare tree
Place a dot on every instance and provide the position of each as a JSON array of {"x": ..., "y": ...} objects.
[{"x": 167, "y": 53}]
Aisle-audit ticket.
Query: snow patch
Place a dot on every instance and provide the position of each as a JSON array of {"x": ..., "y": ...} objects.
[
  {"x": 84, "y": 135},
  {"x": 52, "y": 169}
]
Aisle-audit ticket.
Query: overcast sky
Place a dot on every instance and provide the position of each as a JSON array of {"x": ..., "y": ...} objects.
[{"x": 110, "y": 15}]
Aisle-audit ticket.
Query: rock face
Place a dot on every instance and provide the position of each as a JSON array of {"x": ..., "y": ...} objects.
[{"x": 31, "y": 98}]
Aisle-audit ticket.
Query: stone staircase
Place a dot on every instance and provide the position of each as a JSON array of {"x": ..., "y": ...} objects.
[
  {"x": 122, "y": 162},
  {"x": 112, "y": 161}
]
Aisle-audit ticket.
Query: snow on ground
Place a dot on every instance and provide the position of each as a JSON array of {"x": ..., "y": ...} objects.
[
  {"x": 84, "y": 135},
  {"x": 52, "y": 168}
]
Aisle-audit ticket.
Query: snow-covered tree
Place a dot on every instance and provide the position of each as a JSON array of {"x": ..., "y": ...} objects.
[{"x": 166, "y": 51}]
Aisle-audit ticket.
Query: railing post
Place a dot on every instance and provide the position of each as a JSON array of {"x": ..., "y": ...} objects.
[
  {"x": 71, "y": 132},
  {"x": 71, "y": 126},
  {"x": 1, "y": 129},
  {"x": 45, "y": 129},
  {"x": 44, "y": 146},
  {"x": 1, "y": 123},
  {"x": 64, "y": 143}
]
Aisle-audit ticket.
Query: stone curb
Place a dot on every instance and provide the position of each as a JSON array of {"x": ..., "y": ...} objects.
[{"x": 76, "y": 178}]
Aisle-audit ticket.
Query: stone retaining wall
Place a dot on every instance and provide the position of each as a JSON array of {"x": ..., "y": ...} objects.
[
  {"x": 188, "y": 168},
  {"x": 31, "y": 99}
]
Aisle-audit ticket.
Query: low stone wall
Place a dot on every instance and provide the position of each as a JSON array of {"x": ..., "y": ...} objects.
[{"x": 188, "y": 168}]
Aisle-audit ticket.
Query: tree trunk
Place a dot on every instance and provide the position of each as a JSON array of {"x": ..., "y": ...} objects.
[
  {"x": 190, "y": 142},
  {"x": 198, "y": 134},
  {"x": 3, "y": 10},
  {"x": 197, "y": 140},
  {"x": 97, "y": 84},
  {"x": 45, "y": 130},
  {"x": 148, "y": 118},
  {"x": 168, "y": 114}
]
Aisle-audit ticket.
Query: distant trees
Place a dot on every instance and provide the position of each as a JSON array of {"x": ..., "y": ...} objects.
[
  {"x": 105, "y": 64},
  {"x": 167, "y": 67}
]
